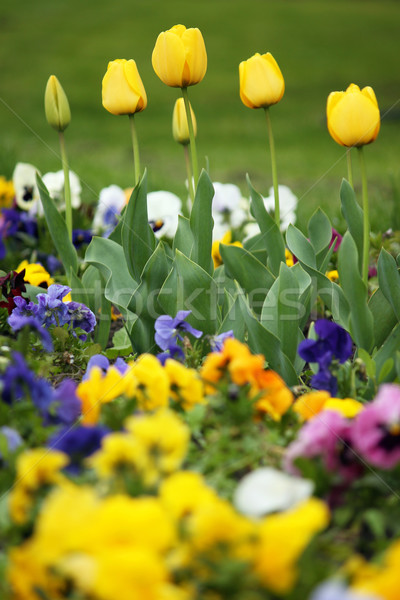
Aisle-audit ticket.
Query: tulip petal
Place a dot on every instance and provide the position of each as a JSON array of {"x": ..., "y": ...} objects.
[
  {"x": 168, "y": 58},
  {"x": 195, "y": 54},
  {"x": 354, "y": 121},
  {"x": 133, "y": 79},
  {"x": 261, "y": 84},
  {"x": 122, "y": 90},
  {"x": 369, "y": 93}
]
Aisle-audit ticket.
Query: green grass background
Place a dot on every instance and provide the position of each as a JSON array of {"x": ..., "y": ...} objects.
[{"x": 320, "y": 45}]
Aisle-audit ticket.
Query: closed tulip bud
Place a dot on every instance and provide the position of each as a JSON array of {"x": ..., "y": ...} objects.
[
  {"x": 180, "y": 127},
  {"x": 353, "y": 116},
  {"x": 123, "y": 92},
  {"x": 261, "y": 81},
  {"x": 179, "y": 57},
  {"x": 56, "y": 105}
]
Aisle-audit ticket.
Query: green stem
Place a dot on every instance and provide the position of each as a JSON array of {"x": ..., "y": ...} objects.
[
  {"x": 193, "y": 150},
  {"x": 135, "y": 146},
  {"x": 273, "y": 165},
  {"x": 190, "y": 179},
  {"x": 365, "y": 261},
  {"x": 67, "y": 187},
  {"x": 349, "y": 167}
]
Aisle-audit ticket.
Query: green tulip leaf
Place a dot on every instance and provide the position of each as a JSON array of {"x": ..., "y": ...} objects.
[
  {"x": 256, "y": 246},
  {"x": 271, "y": 235},
  {"x": 319, "y": 231},
  {"x": 253, "y": 276},
  {"x": 353, "y": 214},
  {"x": 384, "y": 318},
  {"x": 183, "y": 240},
  {"x": 385, "y": 354},
  {"x": 202, "y": 224},
  {"x": 361, "y": 319},
  {"x": 299, "y": 245},
  {"x": 389, "y": 280},
  {"x": 58, "y": 230},
  {"x": 189, "y": 287},
  {"x": 233, "y": 318},
  {"x": 137, "y": 237}
]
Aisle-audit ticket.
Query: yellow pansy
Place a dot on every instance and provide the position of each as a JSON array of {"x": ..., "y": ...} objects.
[
  {"x": 227, "y": 240},
  {"x": 186, "y": 385},
  {"x": 35, "y": 274}
]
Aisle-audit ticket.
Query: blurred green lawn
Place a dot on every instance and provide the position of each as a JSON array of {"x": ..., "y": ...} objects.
[{"x": 320, "y": 45}]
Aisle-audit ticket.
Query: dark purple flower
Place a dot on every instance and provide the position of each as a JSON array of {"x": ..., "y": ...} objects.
[
  {"x": 376, "y": 430},
  {"x": 81, "y": 236},
  {"x": 174, "y": 352},
  {"x": 51, "y": 308},
  {"x": 80, "y": 316},
  {"x": 169, "y": 329},
  {"x": 101, "y": 361},
  {"x": 67, "y": 405},
  {"x": 12, "y": 286},
  {"x": 17, "y": 379},
  {"x": 217, "y": 341},
  {"x": 326, "y": 437},
  {"x": 18, "y": 322},
  {"x": 336, "y": 239},
  {"x": 16, "y": 222},
  {"x": 78, "y": 442},
  {"x": 12, "y": 437}
]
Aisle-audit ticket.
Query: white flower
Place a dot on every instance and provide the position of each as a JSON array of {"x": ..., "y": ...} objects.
[
  {"x": 55, "y": 186},
  {"x": 24, "y": 181},
  {"x": 267, "y": 490},
  {"x": 227, "y": 197},
  {"x": 335, "y": 589},
  {"x": 228, "y": 208},
  {"x": 163, "y": 210},
  {"x": 287, "y": 209},
  {"x": 112, "y": 199}
]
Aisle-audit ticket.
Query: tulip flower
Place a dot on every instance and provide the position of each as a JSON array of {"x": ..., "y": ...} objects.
[
  {"x": 261, "y": 86},
  {"x": 56, "y": 105},
  {"x": 123, "y": 93},
  {"x": 353, "y": 119},
  {"x": 180, "y": 127},
  {"x": 261, "y": 81},
  {"x": 179, "y": 57},
  {"x": 58, "y": 115},
  {"x": 353, "y": 116}
]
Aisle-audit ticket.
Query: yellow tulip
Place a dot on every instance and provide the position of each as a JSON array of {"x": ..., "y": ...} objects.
[
  {"x": 123, "y": 92},
  {"x": 261, "y": 81},
  {"x": 180, "y": 128},
  {"x": 56, "y": 105},
  {"x": 179, "y": 57},
  {"x": 353, "y": 116}
]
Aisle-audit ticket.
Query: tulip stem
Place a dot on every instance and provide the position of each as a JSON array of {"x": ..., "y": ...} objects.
[
  {"x": 193, "y": 150},
  {"x": 190, "y": 179},
  {"x": 365, "y": 261},
  {"x": 135, "y": 145},
  {"x": 67, "y": 187},
  {"x": 349, "y": 167},
  {"x": 273, "y": 165}
]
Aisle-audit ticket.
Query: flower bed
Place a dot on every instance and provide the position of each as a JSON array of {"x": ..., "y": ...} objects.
[{"x": 199, "y": 401}]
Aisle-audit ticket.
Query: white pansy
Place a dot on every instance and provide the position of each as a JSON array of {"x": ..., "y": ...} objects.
[
  {"x": 163, "y": 209},
  {"x": 112, "y": 199},
  {"x": 227, "y": 197},
  {"x": 336, "y": 589},
  {"x": 54, "y": 181},
  {"x": 229, "y": 208},
  {"x": 287, "y": 205},
  {"x": 267, "y": 490},
  {"x": 24, "y": 181}
]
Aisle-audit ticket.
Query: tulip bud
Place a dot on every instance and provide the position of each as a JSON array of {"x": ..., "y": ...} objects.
[
  {"x": 261, "y": 81},
  {"x": 123, "y": 92},
  {"x": 353, "y": 116},
  {"x": 56, "y": 105},
  {"x": 179, "y": 57},
  {"x": 180, "y": 127}
]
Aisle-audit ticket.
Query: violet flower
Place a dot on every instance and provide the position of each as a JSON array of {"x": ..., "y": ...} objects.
[
  {"x": 67, "y": 405},
  {"x": 376, "y": 429},
  {"x": 80, "y": 316},
  {"x": 99, "y": 360},
  {"x": 169, "y": 330},
  {"x": 18, "y": 322},
  {"x": 217, "y": 341},
  {"x": 78, "y": 442},
  {"x": 51, "y": 308},
  {"x": 12, "y": 437}
]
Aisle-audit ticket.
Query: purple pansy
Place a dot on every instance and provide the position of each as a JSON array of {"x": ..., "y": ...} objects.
[
  {"x": 12, "y": 437},
  {"x": 78, "y": 442},
  {"x": 376, "y": 430},
  {"x": 51, "y": 308},
  {"x": 67, "y": 405},
  {"x": 217, "y": 341},
  {"x": 80, "y": 316},
  {"x": 101, "y": 361},
  {"x": 18, "y": 322},
  {"x": 169, "y": 329}
]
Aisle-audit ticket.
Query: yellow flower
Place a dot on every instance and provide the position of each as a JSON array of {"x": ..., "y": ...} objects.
[
  {"x": 123, "y": 92},
  {"x": 273, "y": 395},
  {"x": 310, "y": 405},
  {"x": 261, "y": 81},
  {"x": 35, "y": 274},
  {"x": 382, "y": 580},
  {"x": 227, "y": 240},
  {"x": 289, "y": 258},
  {"x": 282, "y": 539},
  {"x": 163, "y": 439},
  {"x": 99, "y": 389},
  {"x": 184, "y": 492},
  {"x": 186, "y": 385},
  {"x": 353, "y": 116},
  {"x": 152, "y": 382},
  {"x": 180, "y": 127},
  {"x": 118, "y": 451},
  {"x": 179, "y": 57},
  {"x": 332, "y": 275},
  {"x": 56, "y": 105},
  {"x": 7, "y": 192}
]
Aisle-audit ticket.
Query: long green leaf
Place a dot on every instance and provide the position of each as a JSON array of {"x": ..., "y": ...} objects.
[
  {"x": 272, "y": 237},
  {"x": 58, "y": 230},
  {"x": 183, "y": 239},
  {"x": 202, "y": 224},
  {"x": 137, "y": 236},
  {"x": 384, "y": 318},
  {"x": 299, "y": 245},
  {"x": 389, "y": 280},
  {"x": 353, "y": 214}
]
